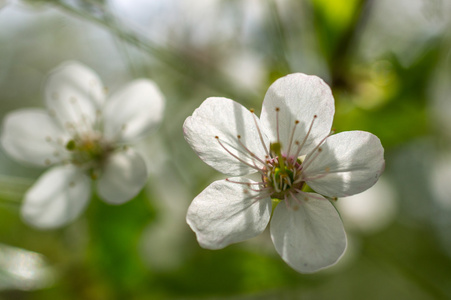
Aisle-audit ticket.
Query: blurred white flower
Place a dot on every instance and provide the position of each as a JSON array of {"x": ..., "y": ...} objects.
[
  {"x": 404, "y": 28},
  {"x": 82, "y": 136},
  {"x": 371, "y": 210},
  {"x": 289, "y": 147},
  {"x": 441, "y": 189},
  {"x": 23, "y": 270}
]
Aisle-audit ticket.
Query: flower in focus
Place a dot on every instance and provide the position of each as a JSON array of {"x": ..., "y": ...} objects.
[
  {"x": 289, "y": 148},
  {"x": 81, "y": 136}
]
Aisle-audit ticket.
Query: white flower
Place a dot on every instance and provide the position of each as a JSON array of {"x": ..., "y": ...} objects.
[
  {"x": 81, "y": 135},
  {"x": 289, "y": 147}
]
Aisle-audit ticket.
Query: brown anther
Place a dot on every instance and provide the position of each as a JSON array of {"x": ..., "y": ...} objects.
[
  {"x": 296, "y": 122},
  {"x": 315, "y": 116},
  {"x": 277, "y": 109},
  {"x": 238, "y": 136},
  {"x": 297, "y": 142},
  {"x": 217, "y": 137},
  {"x": 320, "y": 149},
  {"x": 252, "y": 110}
]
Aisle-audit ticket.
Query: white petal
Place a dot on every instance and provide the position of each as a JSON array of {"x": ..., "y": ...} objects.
[
  {"x": 57, "y": 198},
  {"x": 31, "y": 136},
  {"x": 73, "y": 94},
  {"x": 123, "y": 177},
  {"x": 133, "y": 111},
  {"x": 349, "y": 163},
  {"x": 308, "y": 234},
  {"x": 298, "y": 97},
  {"x": 225, "y": 119},
  {"x": 226, "y": 213}
]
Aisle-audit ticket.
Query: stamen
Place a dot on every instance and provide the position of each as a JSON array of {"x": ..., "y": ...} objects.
[
  {"x": 277, "y": 124},
  {"x": 305, "y": 138},
  {"x": 244, "y": 183},
  {"x": 308, "y": 161},
  {"x": 309, "y": 158},
  {"x": 319, "y": 176},
  {"x": 58, "y": 148},
  {"x": 291, "y": 137},
  {"x": 78, "y": 112},
  {"x": 311, "y": 195},
  {"x": 250, "y": 152},
  {"x": 259, "y": 133},
  {"x": 239, "y": 159},
  {"x": 286, "y": 202},
  {"x": 293, "y": 195}
]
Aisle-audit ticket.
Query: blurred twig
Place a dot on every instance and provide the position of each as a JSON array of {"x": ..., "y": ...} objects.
[
  {"x": 280, "y": 46},
  {"x": 192, "y": 67},
  {"x": 339, "y": 60}
]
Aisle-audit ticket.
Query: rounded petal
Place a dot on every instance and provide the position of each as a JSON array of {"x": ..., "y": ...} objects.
[
  {"x": 57, "y": 198},
  {"x": 32, "y": 136},
  {"x": 349, "y": 163},
  {"x": 73, "y": 94},
  {"x": 226, "y": 136},
  {"x": 308, "y": 234},
  {"x": 133, "y": 111},
  {"x": 227, "y": 212},
  {"x": 123, "y": 177},
  {"x": 298, "y": 98}
]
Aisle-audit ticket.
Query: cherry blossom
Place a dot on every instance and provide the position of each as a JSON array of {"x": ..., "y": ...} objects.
[
  {"x": 82, "y": 136},
  {"x": 280, "y": 157}
]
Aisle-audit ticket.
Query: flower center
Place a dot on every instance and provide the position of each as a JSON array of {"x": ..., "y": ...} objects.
[
  {"x": 282, "y": 175},
  {"x": 89, "y": 151}
]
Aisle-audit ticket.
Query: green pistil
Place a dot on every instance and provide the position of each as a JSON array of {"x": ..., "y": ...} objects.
[
  {"x": 276, "y": 149},
  {"x": 282, "y": 174},
  {"x": 71, "y": 145}
]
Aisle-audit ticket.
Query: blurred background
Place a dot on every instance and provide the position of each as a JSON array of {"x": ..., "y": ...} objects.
[{"x": 389, "y": 66}]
